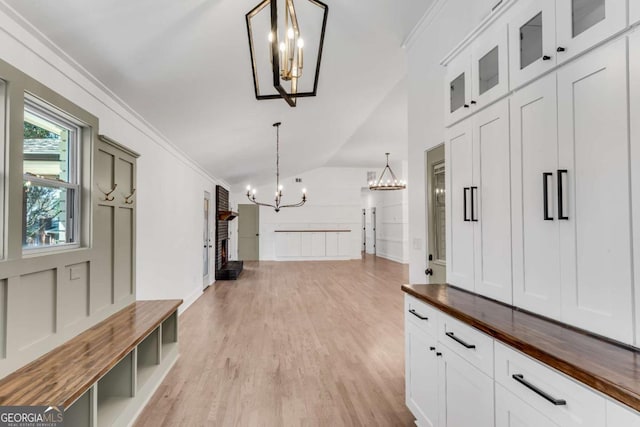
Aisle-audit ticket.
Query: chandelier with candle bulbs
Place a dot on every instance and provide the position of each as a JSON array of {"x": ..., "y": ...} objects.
[
  {"x": 277, "y": 205},
  {"x": 285, "y": 49},
  {"x": 391, "y": 182}
]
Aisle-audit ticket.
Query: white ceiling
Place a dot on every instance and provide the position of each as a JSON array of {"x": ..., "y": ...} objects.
[{"x": 185, "y": 67}]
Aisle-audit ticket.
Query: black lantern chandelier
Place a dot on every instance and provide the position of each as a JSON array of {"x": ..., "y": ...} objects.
[
  {"x": 277, "y": 205},
  {"x": 390, "y": 183},
  {"x": 279, "y": 58}
]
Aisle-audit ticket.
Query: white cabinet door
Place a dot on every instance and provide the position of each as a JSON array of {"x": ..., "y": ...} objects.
[
  {"x": 490, "y": 66},
  {"x": 421, "y": 375},
  {"x": 514, "y": 412},
  {"x": 459, "y": 159},
  {"x": 595, "y": 236},
  {"x": 458, "y": 89},
  {"x": 634, "y": 90},
  {"x": 465, "y": 393},
  {"x": 344, "y": 244},
  {"x": 532, "y": 40},
  {"x": 331, "y": 240},
  {"x": 583, "y": 24},
  {"x": 634, "y": 11},
  {"x": 534, "y": 159},
  {"x": 491, "y": 202}
]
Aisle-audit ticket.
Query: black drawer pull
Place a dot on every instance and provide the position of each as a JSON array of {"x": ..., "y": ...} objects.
[
  {"x": 459, "y": 341},
  {"x": 474, "y": 190},
  {"x": 545, "y": 395},
  {"x": 432, "y": 348},
  {"x": 545, "y": 195},
  {"x": 412, "y": 311},
  {"x": 464, "y": 197}
]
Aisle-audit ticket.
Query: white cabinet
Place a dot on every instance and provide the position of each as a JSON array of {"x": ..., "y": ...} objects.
[
  {"x": 478, "y": 75},
  {"x": 621, "y": 416},
  {"x": 421, "y": 375},
  {"x": 583, "y": 24},
  {"x": 465, "y": 392},
  {"x": 491, "y": 202},
  {"x": 634, "y": 74},
  {"x": 458, "y": 89},
  {"x": 514, "y": 412},
  {"x": 593, "y": 193},
  {"x": 478, "y": 163},
  {"x": 532, "y": 40},
  {"x": 534, "y": 159},
  {"x": 459, "y": 164}
]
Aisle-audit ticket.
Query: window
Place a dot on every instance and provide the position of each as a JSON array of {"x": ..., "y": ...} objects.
[{"x": 51, "y": 189}]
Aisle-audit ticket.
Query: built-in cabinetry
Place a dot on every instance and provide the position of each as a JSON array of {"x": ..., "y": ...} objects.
[
  {"x": 545, "y": 33},
  {"x": 540, "y": 179},
  {"x": 477, "y": 155},
  {"x": 313, "y": 244},
  {"x": 459, "y": 376},
  {"x": 114, "y": 209},
  {"x": 634, "y": 12}
]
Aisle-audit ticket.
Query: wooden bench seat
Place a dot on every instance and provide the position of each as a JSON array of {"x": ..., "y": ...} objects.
[{"x": 64, "y": 374}]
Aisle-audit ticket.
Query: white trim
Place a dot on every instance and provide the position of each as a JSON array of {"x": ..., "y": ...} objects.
[
  {"x": 121, "y": 108},
  {"x": 190, "y": 299},
  {"x": 423, "y": 23}
]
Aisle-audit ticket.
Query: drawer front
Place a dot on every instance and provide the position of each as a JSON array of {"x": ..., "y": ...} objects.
[
  {"x": 618, "y": 415},
  {"x": 422, "y": 315},
  {"x": 468, "y": 342},
  {"x": 562, "y": 400}
]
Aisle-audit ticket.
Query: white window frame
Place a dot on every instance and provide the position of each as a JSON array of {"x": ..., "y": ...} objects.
[{"x": 73, "y": 224}]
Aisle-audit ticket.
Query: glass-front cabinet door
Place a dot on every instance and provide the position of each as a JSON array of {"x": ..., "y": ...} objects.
[
  {"x": 458, "y": 88},
  {"x": 490, "y": 67},
  {"x": 582, "y": 24},
  {"x": 532, "y": 39}
]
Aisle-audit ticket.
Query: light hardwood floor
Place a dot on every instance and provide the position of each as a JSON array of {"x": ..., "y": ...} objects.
[{"x": 291, "y": 344}]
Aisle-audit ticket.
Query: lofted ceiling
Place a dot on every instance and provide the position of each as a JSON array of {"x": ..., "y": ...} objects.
[{"x": 184, "y": 66}]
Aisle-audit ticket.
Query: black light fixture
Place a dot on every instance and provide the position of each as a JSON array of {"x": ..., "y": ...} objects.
[
  {"x": 277, "y": 205},
  {"x": 391, "y": 182},
  {"x": 283, "y": 46}
]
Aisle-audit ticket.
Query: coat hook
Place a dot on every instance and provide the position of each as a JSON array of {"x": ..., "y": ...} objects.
[
  {"x": 107, "y": 196},
  {"x": 127, "y": 199}
]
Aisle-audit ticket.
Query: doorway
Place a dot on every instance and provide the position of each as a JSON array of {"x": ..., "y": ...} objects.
[
  {"x": 249, "y": 232},
  {"x": 206, "y": 240},
  {"x": 373, "y": 229},
  {"x": 364, "y": 231},
  {"x": 436, "y": 215}
]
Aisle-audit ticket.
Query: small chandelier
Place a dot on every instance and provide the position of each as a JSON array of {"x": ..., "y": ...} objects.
[
  {"x": 391, "y": 183},
  {"x": 285, "y": 48},
  {"x": 277, "y": 205}
]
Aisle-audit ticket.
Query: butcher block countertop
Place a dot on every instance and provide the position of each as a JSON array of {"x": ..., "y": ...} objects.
[{"x": 604, "y": 365}]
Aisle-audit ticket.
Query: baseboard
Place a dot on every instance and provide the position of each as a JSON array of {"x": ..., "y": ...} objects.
[{"x": 190, "y": 299}]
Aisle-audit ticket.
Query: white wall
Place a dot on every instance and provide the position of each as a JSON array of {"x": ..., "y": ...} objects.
[
  {"x": 447, "y": 23},
  {"x": 333, "y": 202},
  {"x": 392, "y": 219},
  {"x": 171, "y": 186}
]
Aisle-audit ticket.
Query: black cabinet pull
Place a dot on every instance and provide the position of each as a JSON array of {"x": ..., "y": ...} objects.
[
  {"x": 474, "y": 190},
  {"x": 560, "y": 195},
  {"x": 545, "y": 395},
  {"x": 432, "y": 348},
  {"x": 560, "y": 49},
  {"x": 473, "y": 102},
  {"x": 464, "y": 196},
  {"x": 459, "y": 341},
  {"x": 438, "y": 354},
  {"x": 466, "y": 105},
  {"x": 545, "y": 195},
  {"x": 412, "y": 311},
  {"x": 546, "y": 58}
]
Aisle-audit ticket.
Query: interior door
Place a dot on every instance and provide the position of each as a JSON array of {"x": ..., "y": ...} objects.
[
  {"x": 595, "y": 236},
  {"x": 249, "y": 232},
  {"x": 437, "y": 215},
  {"x": 459, "y": 164},
  {"x": 634, "y": 90},
  {"x": 364, "y": 231},
  {"x": 585, "y": 23},
  {"x": 534, "y": 160},
  {"x": 491, "y": 202},
  {"x": 206, "y": 240},
  {"x": 374, "y": 226}
]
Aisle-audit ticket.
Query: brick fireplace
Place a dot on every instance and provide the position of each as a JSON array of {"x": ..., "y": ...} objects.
[{"x": 225, "y": 269}]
